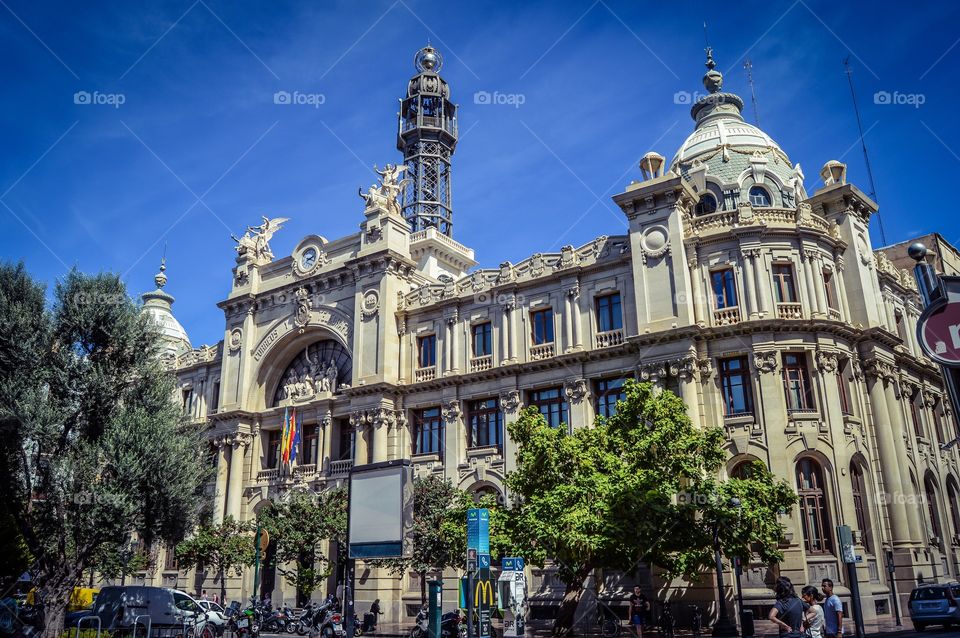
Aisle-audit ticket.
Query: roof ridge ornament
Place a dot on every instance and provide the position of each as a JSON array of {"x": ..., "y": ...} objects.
[
  {"x": 712, "y": 79},
  {"x": 428, "y": 60}
]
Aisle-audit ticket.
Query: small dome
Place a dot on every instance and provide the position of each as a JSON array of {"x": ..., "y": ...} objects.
[
  {"x": 158, "y": 308},
  {"x": 736, "y": 155}
]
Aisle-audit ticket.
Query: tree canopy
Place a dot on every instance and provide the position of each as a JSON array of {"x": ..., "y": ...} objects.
[
  {"x": 95, "y": 450},
  {"x": 227, "y": 547}
]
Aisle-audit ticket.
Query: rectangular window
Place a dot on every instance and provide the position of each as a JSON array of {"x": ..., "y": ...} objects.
[
  {"x": 541, "y": 326},
  {"x": 783, "y": 284},
  {"x": 482, "y": 341},
  {"x": 484, "y": 423},
  {"x": 735, "y": 386},
  {"x": 427, "y": 431},
  {"x": 273, "y": 449},
  {"x": 215, "y": 398},
  {"x": 345, "y": 442},
  {"x": 724, "y": 288},
  {"x": 309, "y": 441},
  {"x": 609, "y": 314},
  {"x": 427, "y": 351},
  {"x": 830, "y": 288},
  {"x": 915, "y": 414},
  {"x": 188, "y": 401},
  {"x": 938, "y": 423},
  {"x": 608, "y": 392},
  {"x": 170, "y": 558},
  {"x": 551, "y": 405},
  {"x": 796, "y": 382},
  {"x": 846, "y": 407}
]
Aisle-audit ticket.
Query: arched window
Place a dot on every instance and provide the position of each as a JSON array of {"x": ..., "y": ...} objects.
[
  {"x": 813, "y": 507},
  {"x": 706, "y": 205},
  {"x": 323, "y": 366},
  {"x": 954, "y": 506},
  {"x": 759, "y": 197},
  {"x": 930, "y": 491},
  {"x": 743, "y": 470},
  {"x": 860, "y": 508}
]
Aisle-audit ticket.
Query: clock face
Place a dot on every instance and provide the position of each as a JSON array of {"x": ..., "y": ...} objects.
[{"x": 308, "y": 258}]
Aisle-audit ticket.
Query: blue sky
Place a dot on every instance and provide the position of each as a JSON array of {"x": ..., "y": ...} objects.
[{"x": 198, "y": 148}]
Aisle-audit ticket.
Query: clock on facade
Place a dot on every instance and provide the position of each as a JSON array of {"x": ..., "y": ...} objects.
[{"x": 308, "y": 258}]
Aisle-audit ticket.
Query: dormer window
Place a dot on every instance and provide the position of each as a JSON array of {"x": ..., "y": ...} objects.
[
  {"x": 759, "y": 197},
  {"x": 706, "y": 205}
]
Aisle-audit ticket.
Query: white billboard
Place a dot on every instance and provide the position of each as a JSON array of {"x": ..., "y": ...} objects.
[{"x": 381, "y": 510}]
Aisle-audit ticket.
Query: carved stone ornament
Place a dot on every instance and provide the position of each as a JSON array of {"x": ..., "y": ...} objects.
[
  {"x": 510, "y": 400},
  {"x": 575, "y": 389},
  {"x": 655, "y": 242},
  {"x": 236, "y": 339},
  {"x": 451, "y": 410},
  {"x": 765, "y": 361},
  {"x": 255, "y": 243},
  {"x": 653, "y": 372},
  {"x": 304, "y": 304},
  {"x": 745, "y": 215},
  {"x": 826, "y": 361},
  {"x": 370, "y": 304},
  {"x": 506, "y": 273},
  {"x": 804, "y": 214}
]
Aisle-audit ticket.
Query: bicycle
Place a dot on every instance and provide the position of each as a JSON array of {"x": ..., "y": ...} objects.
[
  {"x": 607, "y": 619},
  {"x": 666, "y": 622},
  {"x": 696, "y": 621}
]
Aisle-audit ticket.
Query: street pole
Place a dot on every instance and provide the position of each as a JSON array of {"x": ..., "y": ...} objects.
[
  {"x": 723, "y": 626},
  {"x": 891, "y": 570},
  {"x": 256, "y": 562}
]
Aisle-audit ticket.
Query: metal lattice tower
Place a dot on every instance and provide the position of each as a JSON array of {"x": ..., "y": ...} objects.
[{"x": 427, "y": 136}]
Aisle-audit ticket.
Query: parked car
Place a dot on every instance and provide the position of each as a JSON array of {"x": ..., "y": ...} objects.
[
  {"x": 216, "y": 614},
  {"x": 935, "y": 604},
  {"x": 166, "y": 610}
]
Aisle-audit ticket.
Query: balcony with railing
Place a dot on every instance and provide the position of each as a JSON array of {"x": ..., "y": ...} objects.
[
  {"x": 271, "y": 474},
  {"x": 425, "y": 374},
  {"x": 833, "y": 313},
  {"x": 340, "y": 468},
  {"x": 542, "y": 351},
  {"x": 610, "y": 338},
  {"x": 305, "y": 470},
  {"x": 480, "y": 364},
  {"x": 726, "y": 316},
  {"x": 448, "y": 124},
  {"x": 789, "y": 311}
]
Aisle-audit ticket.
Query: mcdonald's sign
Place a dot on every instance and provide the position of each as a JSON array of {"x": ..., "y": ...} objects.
[{"x": 483, "y": 592}]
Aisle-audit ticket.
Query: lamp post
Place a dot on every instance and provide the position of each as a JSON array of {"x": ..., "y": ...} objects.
[{"x": 723, "y": 626}]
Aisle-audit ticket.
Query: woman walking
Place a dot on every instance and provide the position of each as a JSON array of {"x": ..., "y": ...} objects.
[
  {"x": 788, "y": 612},
  {"x": 814, "y": 616}
]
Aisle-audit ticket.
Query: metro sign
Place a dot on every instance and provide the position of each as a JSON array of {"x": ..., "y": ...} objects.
[{"x": 938, "y": 329}]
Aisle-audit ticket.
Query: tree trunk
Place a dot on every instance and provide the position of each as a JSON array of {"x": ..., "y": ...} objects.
[
  {"x": 423, "y": 588},
  {"x": 566, "y": 615},
  {"x": 223, "y": 587},
  {"x": 54, "y": 595}
]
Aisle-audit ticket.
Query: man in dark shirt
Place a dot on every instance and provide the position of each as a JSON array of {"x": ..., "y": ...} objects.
[{"x": 639, "y": 606}]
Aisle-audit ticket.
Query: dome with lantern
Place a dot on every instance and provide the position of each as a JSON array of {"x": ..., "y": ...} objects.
[
  {"x": 158, "y": 308},
  {"x": 428, "y": 62},
  {"x": 729, "y": 161}
]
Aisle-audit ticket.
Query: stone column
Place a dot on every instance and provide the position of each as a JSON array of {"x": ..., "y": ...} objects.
[
  {"x": 577, "y": 316},
  {"x": 454, "y": 322},
  {"x": 805, "y": 263},
  {"x": 358, "y": 422},
  {"x": 405, "y": 348},
  {"x": 816, "y": 264},
  {"x": 510, "y": 404},
  {"x": 898, "y": 427},
  {"x": 325, "y": 452},
  {"x": 886, "y": 447},
  {"x": 235, "y": 491},
  {"x": 514, "y": 327},
  {"x": 841, "y": 288},
  {"x": 577, "y": 392},
  {"x": 454, "y": 441},
  {"x": 220, "y": 493},
  {"x": 567, "y": 327},
  {"x": 689, "y": 375},
  {"x": 256, "y": 454},
  {"x": 380, "y": 431},
  {"x": 699, "y": 307},
  {"x": 751, "y": 283},
  {"x": 762, "y": 281}
]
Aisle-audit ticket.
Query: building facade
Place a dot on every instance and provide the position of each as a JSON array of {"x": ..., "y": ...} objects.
[{"x": 763, "y": 306}]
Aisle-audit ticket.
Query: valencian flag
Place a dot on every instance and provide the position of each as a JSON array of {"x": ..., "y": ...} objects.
[
  {"x": 294, "y": 437},
  {"x": 284, "y": 435}
]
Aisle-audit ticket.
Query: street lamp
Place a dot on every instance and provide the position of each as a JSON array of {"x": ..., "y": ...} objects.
[{"x": 723, "y": 626}]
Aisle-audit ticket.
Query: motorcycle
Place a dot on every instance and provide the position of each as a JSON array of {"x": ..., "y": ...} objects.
[
  {"x": 421, "y": 627},
  {"x": 332, "y": 626},
  {"x": 301, "y": 623},
  {"x": 277, "y": 621},
  {"x": 244, "y": 623},
  {"x": 452, "y": 625}
]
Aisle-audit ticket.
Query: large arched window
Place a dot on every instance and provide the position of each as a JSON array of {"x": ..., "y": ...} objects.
[
  {"x": 954, "y": 505},
  {"x": 930, "y": 491},
  {"x": 310, "y": 371},
  {"x": 706, "y": 205},
  {"x": 860, "y": 507},
  {"x": 812, "y": 490}
]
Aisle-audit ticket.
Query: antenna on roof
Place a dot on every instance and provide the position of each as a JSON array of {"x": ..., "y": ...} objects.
[
  {"x": 706, "y": 38},
  {"x": 863, "y": 144},
  {"x": 748, "y": 65}
]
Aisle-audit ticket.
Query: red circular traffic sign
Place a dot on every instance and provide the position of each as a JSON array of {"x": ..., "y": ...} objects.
[{"x": 938, "y": 330}]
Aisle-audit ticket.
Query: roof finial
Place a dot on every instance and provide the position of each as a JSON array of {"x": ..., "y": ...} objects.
[
  {"x": 161, "y": 279},
  {"x": 712, "y": 79}
]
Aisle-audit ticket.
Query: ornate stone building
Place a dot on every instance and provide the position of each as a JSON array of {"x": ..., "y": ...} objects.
[{"x": 764, "y": 306}]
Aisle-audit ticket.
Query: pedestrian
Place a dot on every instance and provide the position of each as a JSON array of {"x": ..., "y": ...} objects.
[
  {"x": 832, "y": 611},
  {"x": 814, "y": 616},
  {"x": 639, "y": 605},
  {"x": 203, "y": 595},
  {"x": 787, "y": 613},
  {"x": 216, "y": 599}
]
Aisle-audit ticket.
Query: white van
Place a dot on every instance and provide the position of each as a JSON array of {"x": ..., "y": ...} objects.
[{"x": 167, "y": 612}]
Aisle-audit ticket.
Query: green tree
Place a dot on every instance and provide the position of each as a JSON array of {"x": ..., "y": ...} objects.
[
  {"x": 227, "y": 547},
  {"x": 95, "y": 449},
  {"x": 639, "y": 487},
  {"x": 303, "y": 526}
]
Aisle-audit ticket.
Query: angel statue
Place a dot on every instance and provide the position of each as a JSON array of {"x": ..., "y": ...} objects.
[
  {"x": 384, "y": 194},
  {"x": 255, "y": 241}
]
